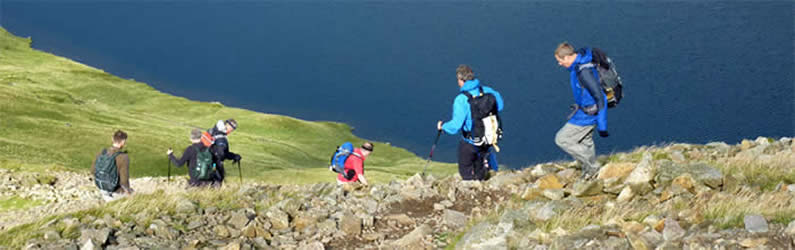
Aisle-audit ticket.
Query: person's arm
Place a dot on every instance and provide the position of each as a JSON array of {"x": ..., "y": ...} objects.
[
  {"x": 189, "y": 153},
  {"x": 363, "y": 180},
  {"x": 123, "y": 165},
  {"x": 460, "y": 113},
  {"x": 591, "y": 84},
  {"x": 230, "y": 155},
  {"x": 357, "y": 164}
]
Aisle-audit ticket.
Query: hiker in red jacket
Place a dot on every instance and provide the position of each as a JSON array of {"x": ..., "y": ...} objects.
[{"x": 354, "y": 165}]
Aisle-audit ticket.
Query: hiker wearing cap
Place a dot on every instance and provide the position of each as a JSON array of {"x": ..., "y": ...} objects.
[
  {"x": 199, "y": 159},
  {"x": 354, "y": 165},
  {"x": 470, "y": 152},
  {"x": 220, "y": 147},
  {"x": 111, "y": 169},
  {"x": 590, "y": 109}
]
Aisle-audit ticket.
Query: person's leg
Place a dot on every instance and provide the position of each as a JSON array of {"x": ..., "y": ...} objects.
[
  {"x": 479, "y": 168},
  {"x": 493, "y": 160},
  {"x": 466, "y": 160},
  {"x": 219, "y": 168},
  {"x": 589, "y": 153},
  {"x": 577, "y": 141},
  {"x": 218, "y": 159}
]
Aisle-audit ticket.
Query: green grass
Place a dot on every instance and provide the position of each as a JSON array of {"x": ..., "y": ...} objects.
[
  {"x": 16, "y": 202},
  {"x": 764, "y": 175},
  {"x": 57, "y": 112}
]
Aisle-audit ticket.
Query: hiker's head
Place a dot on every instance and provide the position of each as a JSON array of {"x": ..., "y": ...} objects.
[
  {"x": 195, "y": 135},
  {"x": 119, "y": 139},
  {"x": 464, "y": 73},
  {"x": 565, "y": 54},
  {"x": 231, "y": 125},
  {"x": 367, "y": 148}
]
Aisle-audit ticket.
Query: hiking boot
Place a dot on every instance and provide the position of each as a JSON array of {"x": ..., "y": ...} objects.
[{"x": 589, "y": 174}]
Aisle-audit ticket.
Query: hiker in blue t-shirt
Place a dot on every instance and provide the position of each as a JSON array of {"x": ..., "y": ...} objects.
[
  {"x": 470, "y": 156},
  {"x": 590, "y": 109}
]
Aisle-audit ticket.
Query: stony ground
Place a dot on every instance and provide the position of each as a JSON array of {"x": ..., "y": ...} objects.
[{"x": 669, "y": 197}]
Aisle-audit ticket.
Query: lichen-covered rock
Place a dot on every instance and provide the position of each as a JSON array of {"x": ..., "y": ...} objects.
[
  {"x": 616, "y": 169},
  {"x": 549, "y": 181},
  {"x": 485, "y": 236},
  {"x": 640, "y": 178},
  {"x": 587, "y": 188},
  {"x": 185, "y": 206},
  {"x": 454, "y": 219},
  {"x": 351, "y": 224},
  {"x": 672, "y": 230},
  {"x": 755, "y": 223},
  {"x": 701, "y": 172},
  {"x": 279, "y": 219},
  {"x": 413, "y": 240}
]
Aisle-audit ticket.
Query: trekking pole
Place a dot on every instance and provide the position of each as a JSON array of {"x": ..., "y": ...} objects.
[
  {"x": 240, "y": 172},
  {"x": 169, "y": 168},
  {"x": 438, "y": 133}
]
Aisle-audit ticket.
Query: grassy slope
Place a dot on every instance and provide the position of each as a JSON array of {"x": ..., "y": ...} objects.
[{"x": 57, "y": 113}]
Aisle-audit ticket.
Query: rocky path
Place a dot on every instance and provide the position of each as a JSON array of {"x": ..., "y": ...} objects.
[
  {"x": 671, "y": 197},
  {"x": 62, "y": 192}
]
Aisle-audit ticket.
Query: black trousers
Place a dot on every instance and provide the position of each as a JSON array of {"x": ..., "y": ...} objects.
[{"x": 470, "y": 161}]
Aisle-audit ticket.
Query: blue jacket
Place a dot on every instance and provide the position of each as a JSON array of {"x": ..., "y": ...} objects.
[
  {"x": 462, "y": 118},
  {"x": 587, "y": 91}
]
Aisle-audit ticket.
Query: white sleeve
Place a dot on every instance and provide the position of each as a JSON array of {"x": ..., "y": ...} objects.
[{"x": 220, "y": 126}]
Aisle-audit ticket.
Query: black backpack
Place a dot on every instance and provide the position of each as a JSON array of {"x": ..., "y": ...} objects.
[
  {"x": 106, "y": 175},
  {"x": 608, "y": 76},
  {"x": 204, "y": 163},
  {"x": 486, "y": 124}
]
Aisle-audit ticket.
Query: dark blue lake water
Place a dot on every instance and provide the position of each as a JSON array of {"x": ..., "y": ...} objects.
[{"x": 693, "y": 71}]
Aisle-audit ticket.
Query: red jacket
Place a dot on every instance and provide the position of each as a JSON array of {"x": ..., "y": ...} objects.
[{"x": 355, "y": 162}]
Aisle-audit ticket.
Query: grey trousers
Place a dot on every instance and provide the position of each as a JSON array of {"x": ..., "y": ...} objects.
[{"x": 577, "y": 141}]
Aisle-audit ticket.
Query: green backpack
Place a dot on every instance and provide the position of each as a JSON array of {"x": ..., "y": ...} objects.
[
  {"x": 106, "y": 176},
  {"x": 204, "y": 161}
]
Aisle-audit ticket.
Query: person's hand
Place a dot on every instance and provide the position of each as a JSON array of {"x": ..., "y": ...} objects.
[
  {"x": 439, "y": 125},
  {"x": 603, "y": 133},
  {"x": 169, "y": 152},
  {"x": 237, "y": 158}
]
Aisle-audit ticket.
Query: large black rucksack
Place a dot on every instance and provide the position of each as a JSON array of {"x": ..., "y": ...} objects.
[
  {"x": 608, "y": 76},
  {"x": 106, "y": 175},
  {"x": 486, "y": 124},
  {"x": 204, "y": 163}
]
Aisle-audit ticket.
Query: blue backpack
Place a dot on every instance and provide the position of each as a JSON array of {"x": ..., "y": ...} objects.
[{"x": 337, "y": 163}]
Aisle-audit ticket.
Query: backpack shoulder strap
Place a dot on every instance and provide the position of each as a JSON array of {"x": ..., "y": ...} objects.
[
  {"x": 467, "y": 94},
  {"x": 585, "y": 66},
  {"x": 116, "y": 154},
  {"x": 480, "y": 88}
]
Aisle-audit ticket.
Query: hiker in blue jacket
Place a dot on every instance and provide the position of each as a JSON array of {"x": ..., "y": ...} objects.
[
  {"x": 470, "y": 156},
  {"x": 589, "y": 110}
]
